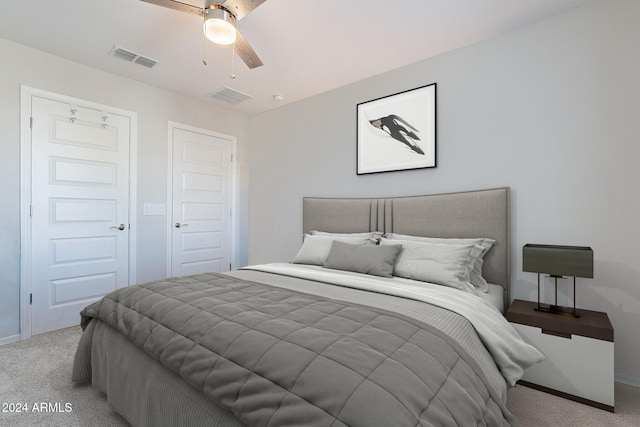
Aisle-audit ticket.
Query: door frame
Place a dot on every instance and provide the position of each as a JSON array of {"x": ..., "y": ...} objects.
[
  {"x": 233, "y": 218},
  {"x": 26, "y": 95}
]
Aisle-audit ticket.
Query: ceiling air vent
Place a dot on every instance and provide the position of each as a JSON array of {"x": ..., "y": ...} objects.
[
  {"x": 129, "y": 56},
  {"x": 229, "y": 95},
  {"x": 145, "y": 62}
]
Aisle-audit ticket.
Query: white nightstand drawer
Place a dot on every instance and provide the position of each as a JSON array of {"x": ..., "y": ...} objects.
[{"x": 579, "y": 366}]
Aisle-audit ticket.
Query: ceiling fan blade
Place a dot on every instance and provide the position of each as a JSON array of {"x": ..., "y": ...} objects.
[
  {"x": 245, "y": 52},
  {"x": 241, "y": 8},
  {"x": 176, "y": 5}
]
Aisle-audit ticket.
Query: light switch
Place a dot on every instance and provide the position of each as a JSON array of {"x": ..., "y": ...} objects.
[{"x": 154, "y": 209}]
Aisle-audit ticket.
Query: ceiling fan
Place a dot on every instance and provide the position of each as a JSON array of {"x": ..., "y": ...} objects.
[{"x": 220, "y": 18}]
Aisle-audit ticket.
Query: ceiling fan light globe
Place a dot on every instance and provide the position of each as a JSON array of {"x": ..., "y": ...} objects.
[{"x": 219, "y": 27}]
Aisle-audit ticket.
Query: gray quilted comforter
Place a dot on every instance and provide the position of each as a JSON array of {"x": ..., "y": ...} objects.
[{"x": 277, "y": 357}]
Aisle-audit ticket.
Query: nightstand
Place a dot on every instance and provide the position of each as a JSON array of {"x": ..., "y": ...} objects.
[{"x": 578, "y": 351}]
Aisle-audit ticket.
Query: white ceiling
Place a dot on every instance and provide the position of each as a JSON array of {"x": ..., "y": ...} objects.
[{"x": 307, "y": 46}]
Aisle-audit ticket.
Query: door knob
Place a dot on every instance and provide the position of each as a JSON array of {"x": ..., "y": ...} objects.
[
  {"x": 178, "y": 225},
  {"x": 119, "y": 227}
]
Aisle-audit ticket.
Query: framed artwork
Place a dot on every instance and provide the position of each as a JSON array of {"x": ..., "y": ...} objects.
[{"x": 397, "y": 132}]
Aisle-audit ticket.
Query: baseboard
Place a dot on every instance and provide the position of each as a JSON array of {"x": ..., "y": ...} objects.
[
  {"x": 626, "y": 379},
  {"x": 9, "y": 339},
  {"x": 564, "y": 395}
]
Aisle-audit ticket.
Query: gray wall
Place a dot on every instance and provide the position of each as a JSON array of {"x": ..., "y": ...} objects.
[
  {"x": 155, "y": 107},
  {"x": 551, "y": 111}
]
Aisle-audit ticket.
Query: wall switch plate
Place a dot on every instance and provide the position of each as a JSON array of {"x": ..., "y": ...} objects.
[{"x": 154, "y": 209}]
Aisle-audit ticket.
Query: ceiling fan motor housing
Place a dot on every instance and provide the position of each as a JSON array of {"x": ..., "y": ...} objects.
[{"x": 219, "y": 24}]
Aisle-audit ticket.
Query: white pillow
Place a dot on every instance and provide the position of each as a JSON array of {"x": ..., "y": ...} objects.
[
  {"x": 476, "y": 277},
  {"x": 443, "y": 264},
  {"x": 315, "y": 249},
  {"x": 373, "y": 235}
]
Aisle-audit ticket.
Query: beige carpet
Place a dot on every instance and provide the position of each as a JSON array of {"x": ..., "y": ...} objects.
[
  {"x": 534, "y": 408},
  {"x": 38, "y": 370}
]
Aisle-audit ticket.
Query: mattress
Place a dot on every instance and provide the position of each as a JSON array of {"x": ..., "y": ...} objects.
[{"x": 145, "y": 392}]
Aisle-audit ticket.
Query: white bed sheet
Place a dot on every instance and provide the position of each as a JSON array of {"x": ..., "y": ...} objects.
[{"x": 495, "y": 296}]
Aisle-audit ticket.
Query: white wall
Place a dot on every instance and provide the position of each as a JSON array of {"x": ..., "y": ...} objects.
[
  {"x": 155, "y": 107},
  {"x": 551, "y": 111}
]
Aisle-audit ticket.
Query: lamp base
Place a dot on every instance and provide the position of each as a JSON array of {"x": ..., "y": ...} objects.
[{"x": 557, "y": 309}]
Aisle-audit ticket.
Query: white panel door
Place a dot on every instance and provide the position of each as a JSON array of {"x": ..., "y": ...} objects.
[
  {"x": 201, "y": 193},
  {"x": 80, "y": 209}
]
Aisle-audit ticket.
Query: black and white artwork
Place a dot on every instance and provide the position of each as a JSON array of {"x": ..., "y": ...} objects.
[{"x": 397, "y": 132}]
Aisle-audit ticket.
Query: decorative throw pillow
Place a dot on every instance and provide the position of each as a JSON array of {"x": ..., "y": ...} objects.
[{"x": 368, "y": 259}]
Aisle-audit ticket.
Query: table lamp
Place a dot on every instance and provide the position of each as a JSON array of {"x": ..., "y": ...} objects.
[{"x": 557, "y": 262}]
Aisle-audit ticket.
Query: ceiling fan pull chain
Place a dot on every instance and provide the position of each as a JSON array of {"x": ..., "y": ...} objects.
[
  {"x": 233, "y": 61},
  {"x": 204, "y": 42}
]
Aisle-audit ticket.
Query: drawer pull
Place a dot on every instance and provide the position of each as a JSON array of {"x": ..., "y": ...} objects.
[{"x": 556, "y": 333}]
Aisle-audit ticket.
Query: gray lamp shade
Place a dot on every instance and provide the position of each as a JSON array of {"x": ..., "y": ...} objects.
[{"x": 556, "y": 260}]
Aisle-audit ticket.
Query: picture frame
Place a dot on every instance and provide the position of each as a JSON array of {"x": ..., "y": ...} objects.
[{"x": 397, "y": 132}]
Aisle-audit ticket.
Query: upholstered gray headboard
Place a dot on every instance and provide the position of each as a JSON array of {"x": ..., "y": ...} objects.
[{"x": 482, "y": 213}]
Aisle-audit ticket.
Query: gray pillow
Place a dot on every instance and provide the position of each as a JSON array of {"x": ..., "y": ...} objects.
[{"x": 367, "y": 259}]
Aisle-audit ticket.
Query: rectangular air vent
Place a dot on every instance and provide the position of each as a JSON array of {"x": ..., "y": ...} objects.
[
  {"x": 129, "y": 56},
  {"x": 145, "y": 62},
  {"x": 228, "y": 95},
  {"x": 118, "y": 52}
]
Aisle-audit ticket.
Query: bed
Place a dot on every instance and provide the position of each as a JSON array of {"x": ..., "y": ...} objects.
[{"x": 349, "y": 333}]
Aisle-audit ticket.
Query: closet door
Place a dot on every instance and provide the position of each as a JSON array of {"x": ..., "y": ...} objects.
[
  {"x": 201, "y": 185},
  {"x": 79, "y": 209}
]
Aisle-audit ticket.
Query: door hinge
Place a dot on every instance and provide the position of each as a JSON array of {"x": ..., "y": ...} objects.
[
  {"x": 232, "y": 157},
  {"x": 30, "y": 210},
  {"x": 30, "y": 299},
  {"x": 229, "y": 266},
  {"x": 30, "y": 122}
]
